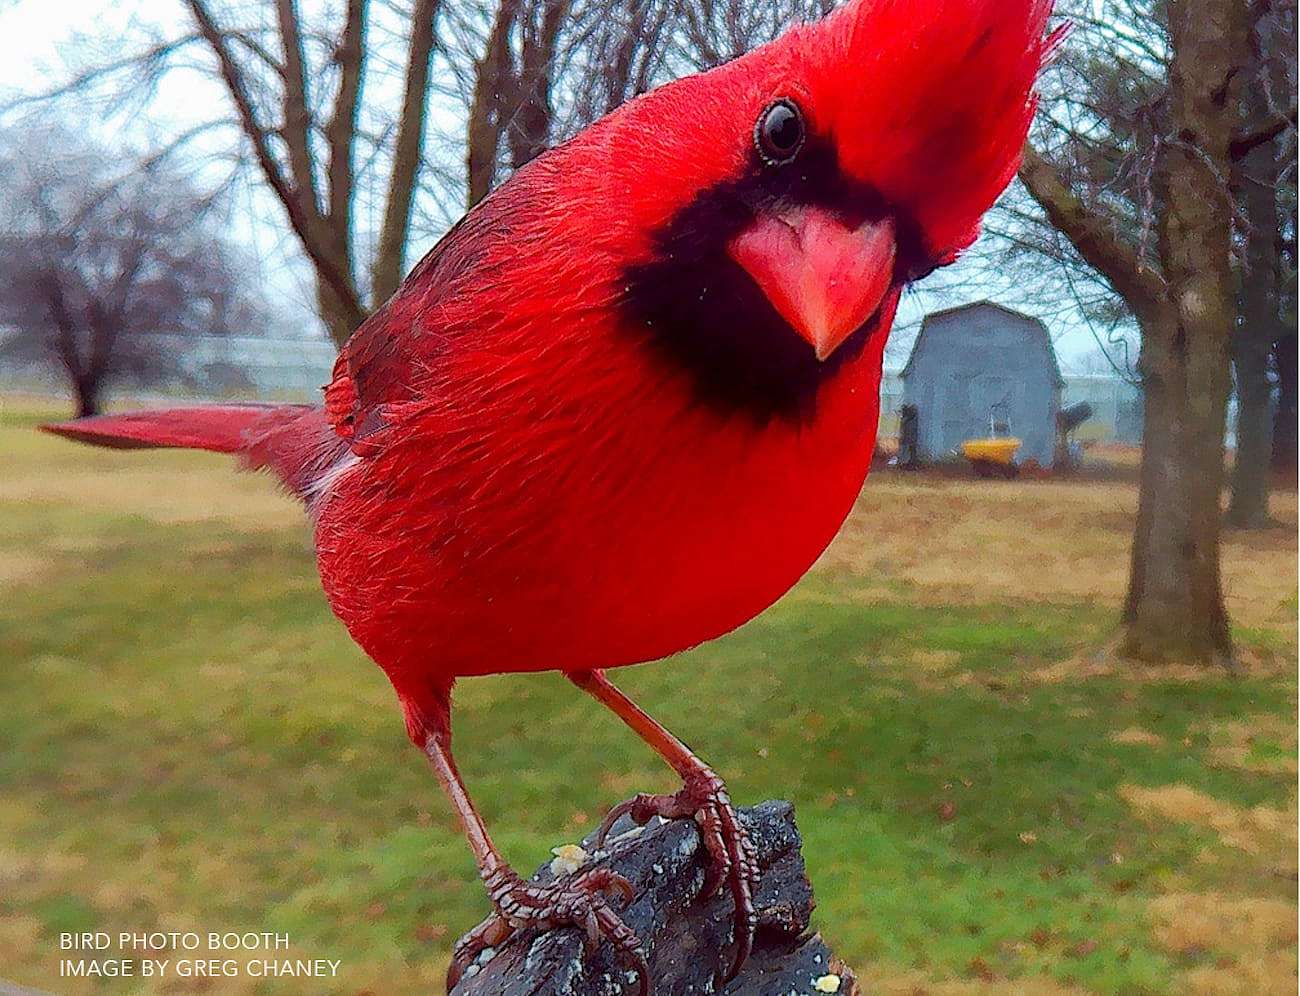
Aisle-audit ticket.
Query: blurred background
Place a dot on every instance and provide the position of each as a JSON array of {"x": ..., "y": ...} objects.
[{"x": 1038, "y": 742}]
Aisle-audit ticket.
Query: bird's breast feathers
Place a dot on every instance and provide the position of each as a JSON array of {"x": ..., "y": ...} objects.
[{"x": 631, "y": 396}]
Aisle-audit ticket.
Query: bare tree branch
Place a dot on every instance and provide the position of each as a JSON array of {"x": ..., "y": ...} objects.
[
  {"x": 484, "y": 129},
  {"x": 1091, "y": 234},
  {"x": 390, "y": 254},
  {"x": 341, "y": 130},
  {"x": 305, "y": 220},
  {"x": 296, "y": 127},
  {"x": 1243, "y": 144}
]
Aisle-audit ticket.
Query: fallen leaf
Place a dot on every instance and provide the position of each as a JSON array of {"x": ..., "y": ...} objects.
[
  {"x": 430, "y": 932},
  {"x": 979, "y": 968}
]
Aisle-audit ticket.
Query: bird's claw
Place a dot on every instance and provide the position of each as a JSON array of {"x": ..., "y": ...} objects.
[
  {"x": 578, "y": 901},
  {"x": 703, "y": 798}
]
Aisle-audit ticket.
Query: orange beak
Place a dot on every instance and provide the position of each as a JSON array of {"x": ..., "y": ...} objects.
[{"x": 821, "y": 276}]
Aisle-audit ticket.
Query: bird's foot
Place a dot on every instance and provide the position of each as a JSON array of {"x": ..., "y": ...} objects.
[
  {"x": 576, "y": 901},
  {"x": 703, "y": 798}
]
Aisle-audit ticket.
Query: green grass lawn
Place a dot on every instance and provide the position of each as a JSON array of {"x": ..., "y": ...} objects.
[{"x": 188, "y": 740}]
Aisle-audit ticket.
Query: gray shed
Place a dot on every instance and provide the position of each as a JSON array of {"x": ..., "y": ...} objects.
[{"x": 981, "y": 362}]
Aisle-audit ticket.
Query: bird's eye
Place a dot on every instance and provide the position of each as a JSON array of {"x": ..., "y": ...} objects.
[{"x": 779, "y": 133}]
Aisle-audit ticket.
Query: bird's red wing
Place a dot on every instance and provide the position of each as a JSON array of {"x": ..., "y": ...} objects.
[{"x": 390, "y": 358}]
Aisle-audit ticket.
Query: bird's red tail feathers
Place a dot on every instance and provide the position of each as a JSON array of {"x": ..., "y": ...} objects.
[{"x": 294, "y": 442}]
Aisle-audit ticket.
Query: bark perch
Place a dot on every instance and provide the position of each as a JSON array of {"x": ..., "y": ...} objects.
[{"x": 686, "y": 940}]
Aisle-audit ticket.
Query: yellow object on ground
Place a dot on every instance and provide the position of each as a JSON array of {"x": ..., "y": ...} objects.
[{"x": 993, "y": 450}]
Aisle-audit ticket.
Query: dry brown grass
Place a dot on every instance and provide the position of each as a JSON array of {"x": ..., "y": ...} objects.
[
  {"x": 1234, "y": 743},
  {"x": 1256, "y": 830},
  {"x": 19, "y": 568},
  {"x": 1135, "y": 735},
  {"x": 166, "y": 487},
  {"x": 1249, "y": 942},
  {"x": 1237, "y": 944},
  {"x": 1105, "y": 663},
  {"x": 967, "y": 540}
]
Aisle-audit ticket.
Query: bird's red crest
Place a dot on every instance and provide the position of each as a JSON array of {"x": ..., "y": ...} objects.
[
  {"x": 926, "y": 102},
  {"x": 929, "y": 102}
]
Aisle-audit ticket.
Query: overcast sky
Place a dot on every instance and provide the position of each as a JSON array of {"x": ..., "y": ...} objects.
[{"x": 38, "y": 36}]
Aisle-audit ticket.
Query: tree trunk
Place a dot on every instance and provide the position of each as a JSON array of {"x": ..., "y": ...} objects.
[
  {"x": 87, "y": 392},
  {"x": 530, "y": 122},
  {"x": 483, "y": 130},
  {"x": 328, "y": 247},
  {"x": 1256, "y": 177},
  {"x": 1252, "y": 341},
  {"x": 1251, "y": 466},
  {"x": 340, "y": 320},
  {"x": 1174, "y": 609},
  {"x": 1286, "y": 426},
  {"x": 390, "y": 256}
]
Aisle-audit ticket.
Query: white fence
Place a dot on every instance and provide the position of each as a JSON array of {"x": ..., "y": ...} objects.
[
  {"x": 247, "y": 367},
  {"x": 215, "y": 366}
]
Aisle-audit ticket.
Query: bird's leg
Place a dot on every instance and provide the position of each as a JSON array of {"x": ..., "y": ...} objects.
[
  {"x": 702, "y": 797},
  {"x": 576, "y": 901}
]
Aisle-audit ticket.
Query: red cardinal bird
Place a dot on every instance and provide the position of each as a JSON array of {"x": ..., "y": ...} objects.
[{"x": 629, "y": 399}]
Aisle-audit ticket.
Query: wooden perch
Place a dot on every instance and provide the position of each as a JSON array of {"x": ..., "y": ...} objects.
[{"x": 686, "y": 940}]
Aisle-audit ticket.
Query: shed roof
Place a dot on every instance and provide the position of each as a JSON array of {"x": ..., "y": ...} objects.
[{"x": 971, "y": 306}]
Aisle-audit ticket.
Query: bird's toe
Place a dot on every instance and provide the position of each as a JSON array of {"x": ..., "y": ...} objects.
[{"x": 579, "y": 901}]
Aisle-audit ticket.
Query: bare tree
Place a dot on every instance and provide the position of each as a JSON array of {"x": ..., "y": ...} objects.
[
  {"x": 1259, "y": 178},
  {"x": 1144, "y": 196},
  {"x": 297, "y": 92},
  {"x": 627, "y": 55},
  {"x": 714, "y": 31},
  {"x": 323, "y": 109},
  {"x": 509, "y": 101},
  {"x": 543, "y": 69},
  {"x": 100, "y": 255}
]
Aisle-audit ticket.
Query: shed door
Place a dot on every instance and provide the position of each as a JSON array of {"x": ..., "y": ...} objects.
[{"x": 993, "y": 398}]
